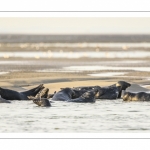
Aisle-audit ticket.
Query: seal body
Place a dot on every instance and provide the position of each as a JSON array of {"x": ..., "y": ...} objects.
[
  {"x": 43, "y": 102},
  {"x": 141, "y": 96},
  {"x": 109, "y": 93},
  {"x": 14, "y": 95},
  {"x": 87, "y": 97},
  {"x": 113, "y": 91},
  {"x": 38, "y": 100},
  {"x": 86, "y": 88},
  {"x": 124, "y": 85},
  {"x": 67, "y": 94},
  {"x": 63, "y": 95},
  {"x": 81, "y": 90}
]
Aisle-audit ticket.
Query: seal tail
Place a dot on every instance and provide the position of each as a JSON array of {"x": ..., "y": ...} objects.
[{"x": 33, "y": 91}]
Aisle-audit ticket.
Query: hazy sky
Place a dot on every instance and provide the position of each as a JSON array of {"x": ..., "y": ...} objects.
[{"x": 75, "y": 25}]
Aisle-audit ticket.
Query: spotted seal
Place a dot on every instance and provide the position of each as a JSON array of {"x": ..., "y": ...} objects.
[
  {"x": 114, "y": 91},
  {"x": 87, "y": 97},
  {"x": 140, "y": 96},
  {"x": 43, "y": 102}
]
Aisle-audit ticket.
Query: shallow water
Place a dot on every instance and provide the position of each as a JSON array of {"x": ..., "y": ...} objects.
[
  {"x": 107, "y": 74},
  {"x": 81, "y": 45},
  {"x": 93, "y": 68},
  {"x": 102, "y": 116},
  {"x": 75, "y": 55}
]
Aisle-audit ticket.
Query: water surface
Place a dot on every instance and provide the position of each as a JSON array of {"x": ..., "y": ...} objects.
[{"x": 102, "y": 116}]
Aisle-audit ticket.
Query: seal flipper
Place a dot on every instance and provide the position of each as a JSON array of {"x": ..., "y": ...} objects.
[
  {"x": 43, "y": 102},
  {"x": 43, "y": 93},
  {"x": 33, "y": 91}
]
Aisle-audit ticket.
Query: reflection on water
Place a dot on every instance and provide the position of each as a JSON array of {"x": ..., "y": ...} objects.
[
  {"x": 75, "y": 55},
  {"x": 107, "y": 74},
  {"x": 86, "y": 68},
  {"x": 102, "y": 116},
  {"x": 74, "y": 45},
  {"x": 1, "y": 73}
]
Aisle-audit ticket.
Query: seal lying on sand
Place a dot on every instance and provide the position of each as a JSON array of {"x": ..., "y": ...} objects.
[
  {"x": 87, "y": 97},
  {"x": 141, "y": 96},
  {"x": 64, "y": 95},
  {"x": 67, "y": 94},
  {"x": 124, "y": 85},
  {"x": 108, "y": 93},
  {"x": 43, "y": 102},
  {"x": 4, "y": 100},
  {"x": 81, "y": 90},
  {"x": 14, "y": 95},
  {"x": 113, "y": 91}
]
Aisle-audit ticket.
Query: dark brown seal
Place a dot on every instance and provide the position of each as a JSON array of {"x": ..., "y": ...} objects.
[{"x": 14, "y": 95}]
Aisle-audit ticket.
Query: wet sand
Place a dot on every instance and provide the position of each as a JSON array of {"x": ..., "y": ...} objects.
[{"x": 22, "y": 73}]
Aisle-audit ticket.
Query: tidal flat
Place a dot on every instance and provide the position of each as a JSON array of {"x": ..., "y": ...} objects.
[{"x": 110, "y": 64}]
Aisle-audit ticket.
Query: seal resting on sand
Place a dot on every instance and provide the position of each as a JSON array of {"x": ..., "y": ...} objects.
[
  {"x": 67, "y": 94},
  {"x": 113, "y": 91},
  {"x": 141, "y": 96},
  {"x": 4, "y": 100},
  {"x": 64, "y": 95},
  {"x": 108, "y": 93},
  {"x": 81, "y": 90},
  {"x": 87, "y": 97},
  {"x": 123, "y": 84},
  {"x": 14, "y": 95}
]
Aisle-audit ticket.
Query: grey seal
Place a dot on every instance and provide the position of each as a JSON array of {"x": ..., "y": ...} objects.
[
  {"x": 14, "y": 95},
  {"x": 140, "y": 96}
]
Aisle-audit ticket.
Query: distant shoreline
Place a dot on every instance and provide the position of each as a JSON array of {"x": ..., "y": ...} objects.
[{"x": 112, "y": 38}]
